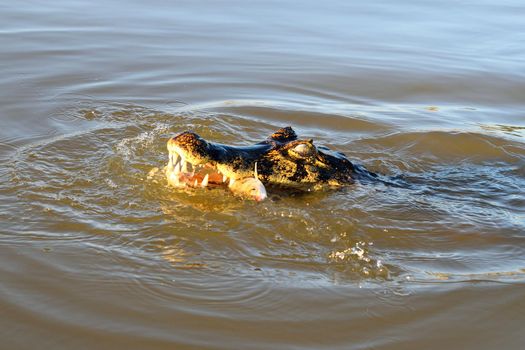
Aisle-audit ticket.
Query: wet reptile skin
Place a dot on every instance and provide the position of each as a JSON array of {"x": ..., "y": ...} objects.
[{"x": 282, "y": 160}]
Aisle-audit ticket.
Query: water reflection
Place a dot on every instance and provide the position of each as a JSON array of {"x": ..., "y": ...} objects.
[
  {"x": 102, "y": 179},
  {"x": 94, "y": 253},
  {"x": 518, "y": 131}
]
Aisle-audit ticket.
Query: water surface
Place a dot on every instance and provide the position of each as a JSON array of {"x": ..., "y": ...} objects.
[{"x": 96, "y": 252}]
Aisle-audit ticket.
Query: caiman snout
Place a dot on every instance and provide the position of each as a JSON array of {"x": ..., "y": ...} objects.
[
  {"x": 193, "y": 162},
  {"x": 190, "y": 145}
]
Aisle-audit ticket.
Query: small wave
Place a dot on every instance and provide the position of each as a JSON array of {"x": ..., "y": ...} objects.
[{"x": 97, "y": 181}]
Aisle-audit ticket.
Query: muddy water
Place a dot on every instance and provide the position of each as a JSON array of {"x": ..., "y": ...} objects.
[{"x": 98, "y": 253}]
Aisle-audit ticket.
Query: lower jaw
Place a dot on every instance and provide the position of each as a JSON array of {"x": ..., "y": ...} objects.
[{"x": 197, "y": 178}]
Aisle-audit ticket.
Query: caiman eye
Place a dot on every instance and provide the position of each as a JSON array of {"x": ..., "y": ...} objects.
[{"x": 303, "y": 150}]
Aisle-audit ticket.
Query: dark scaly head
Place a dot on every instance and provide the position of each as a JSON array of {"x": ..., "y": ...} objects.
[
  {"x": 282, "y": 160},
  {"x": 299, "y": 163}
]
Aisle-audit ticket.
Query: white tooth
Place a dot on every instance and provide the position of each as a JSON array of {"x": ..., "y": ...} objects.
[
  {"x": 224, "y": 178},
  {"x": 170, "y": 163},
  {"x": 232, "y": 180},
  {"x": 185, "y": 167},
  {"x": 175, "y": 157},
  {"x": 196, "y": 183},
  {"x": 205, "y": 181},
  {"x": 174, "y": 178},
  {"x": 177, "y": 168}
]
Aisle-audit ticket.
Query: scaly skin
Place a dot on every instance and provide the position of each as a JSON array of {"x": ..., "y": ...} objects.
[{"x": 281, "y": 160}]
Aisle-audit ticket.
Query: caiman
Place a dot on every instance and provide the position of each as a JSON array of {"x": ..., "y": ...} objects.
[{"x": 281, "y": 160}]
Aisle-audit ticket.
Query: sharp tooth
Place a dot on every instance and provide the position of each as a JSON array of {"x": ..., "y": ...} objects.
[
  {"x": 196, "y": 183},
  {"x": 232, "y": 180},
  {"x": 205, "y": 181},
  {"x": 224, "y": 178},
  {"x": 185, "y": 167},
  {"x": 174, "y": 157},
  {"x": 175, "y": 179},
  {"x": 170, "y": 163},
  {"x": 173, "y": 160}
]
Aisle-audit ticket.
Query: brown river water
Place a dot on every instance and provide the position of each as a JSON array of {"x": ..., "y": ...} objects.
[{"x": 97, "y": 254}]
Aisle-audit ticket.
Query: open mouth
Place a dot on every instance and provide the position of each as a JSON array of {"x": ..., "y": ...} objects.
[
  {"x": 190, "y": 166},
  {"x": 182, "y": 173}
]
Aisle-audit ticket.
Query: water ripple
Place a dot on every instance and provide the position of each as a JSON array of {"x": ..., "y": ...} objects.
[{"x": 92, "y": 186}]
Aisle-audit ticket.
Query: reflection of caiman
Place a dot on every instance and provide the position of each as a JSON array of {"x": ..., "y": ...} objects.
[{"x": 281, "y": 160}]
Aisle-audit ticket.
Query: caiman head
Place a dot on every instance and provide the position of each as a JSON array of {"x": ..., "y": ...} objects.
[{"x": 281, "y": 160}]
